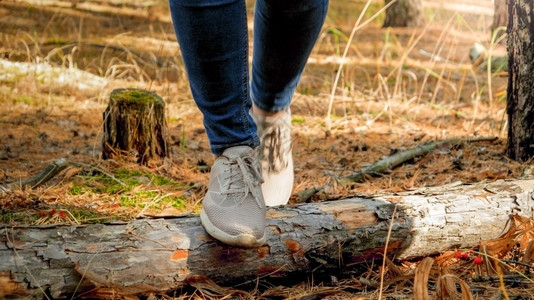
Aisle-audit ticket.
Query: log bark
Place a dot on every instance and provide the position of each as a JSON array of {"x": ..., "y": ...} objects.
[
  {"x": 520, "y": 106},
  {"x": 135, "y": 126},
  {"x": 159, "y": 255},
  {"x": 404, "y": 13}
]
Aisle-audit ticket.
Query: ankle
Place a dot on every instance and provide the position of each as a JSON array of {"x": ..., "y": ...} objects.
[{"x": 261, "y": 113}]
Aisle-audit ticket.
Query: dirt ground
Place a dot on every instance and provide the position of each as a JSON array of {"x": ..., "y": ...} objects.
[{"x": 398, "y": 88}]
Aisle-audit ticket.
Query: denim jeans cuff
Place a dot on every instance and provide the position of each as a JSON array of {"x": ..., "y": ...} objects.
[
  {"x": 218, "y": 150},
  {"x": 269, "y": 108}
]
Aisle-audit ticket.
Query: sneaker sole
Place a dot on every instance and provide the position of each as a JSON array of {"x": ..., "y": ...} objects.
[{"x": 242, "y": 240}]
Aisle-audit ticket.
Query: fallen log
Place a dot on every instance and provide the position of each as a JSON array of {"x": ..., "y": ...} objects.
[{"x": 159, "y": 255}]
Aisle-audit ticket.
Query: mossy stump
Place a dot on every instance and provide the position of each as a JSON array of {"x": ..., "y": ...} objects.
[{"x": 134, "y": 126}]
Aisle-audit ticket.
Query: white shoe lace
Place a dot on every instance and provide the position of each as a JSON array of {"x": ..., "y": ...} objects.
[
  {"x": 274, "y": 148},
  {"x": 246, "y": 177}
]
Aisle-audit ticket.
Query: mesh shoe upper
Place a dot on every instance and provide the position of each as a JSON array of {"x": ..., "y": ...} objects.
[{"x": 234, "y": 202}]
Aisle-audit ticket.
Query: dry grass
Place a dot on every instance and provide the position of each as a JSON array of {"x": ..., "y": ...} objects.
[{"x": 366, "y": 92}]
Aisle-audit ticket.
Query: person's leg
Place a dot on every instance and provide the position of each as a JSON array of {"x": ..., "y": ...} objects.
[
  {"x": 284, "y": 35},
  {"x": 213, "y": 39}
]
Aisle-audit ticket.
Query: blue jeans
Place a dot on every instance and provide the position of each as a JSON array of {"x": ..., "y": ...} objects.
[{"x": 213, "y": 40}]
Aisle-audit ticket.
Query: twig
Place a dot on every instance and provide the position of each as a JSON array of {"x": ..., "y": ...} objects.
[
  {"x": 385, "y": 253},
  {"x": 385, "y": 164},
  {"x": 509, "y": 261},
  {"x": 40, "y": 178},
  {"x": 510, "y": 279}
]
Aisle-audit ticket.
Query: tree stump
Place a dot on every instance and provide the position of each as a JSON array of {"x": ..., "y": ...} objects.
[{"x": 135, "y": 126}]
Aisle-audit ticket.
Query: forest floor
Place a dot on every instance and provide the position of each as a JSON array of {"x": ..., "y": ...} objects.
[{"x": 399, "y": 88}]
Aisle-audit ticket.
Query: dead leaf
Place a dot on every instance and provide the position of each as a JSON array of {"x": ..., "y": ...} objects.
[
  {"x": 166, "y": 213},
  {"x": 466, "y": 291},
  {"x": 71, "y": 171},
  {"x": 421, "y": 279},
  {"x": 106, "y": 294},
  {"x": 210, "y": 288},
  {"x": 446, "y": 286},
  {"x": 445, "y": 257},
  {"x": 529, "y": 253},
  {"x": 393, "y": 269}
]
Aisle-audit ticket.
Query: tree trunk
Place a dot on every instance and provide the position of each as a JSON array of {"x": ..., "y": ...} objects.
[
  {"x": 323, "y": 238},
  {"x": 520, "y": 92},
  {"x": 404, "y": 13},
  {"x": 135, "y": 126}
]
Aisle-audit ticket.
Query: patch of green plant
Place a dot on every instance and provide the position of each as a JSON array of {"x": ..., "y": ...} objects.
[
  {"x": 57, "y": 42},
  {"x": 27, "y": 100},
  {"x": 13, "y": 217},
  {"x": 176, "y": 202},
  {"x": 143, "y": 198},
  {"x": 121, "y": 182},
  {"x": 89, "y": 216},
  {"x": 297, "y": 120},
  {"x": 77, "y": 189}
]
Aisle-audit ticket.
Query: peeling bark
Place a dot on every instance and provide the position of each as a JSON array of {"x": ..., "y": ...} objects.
[{"x": 159, "y": 255}]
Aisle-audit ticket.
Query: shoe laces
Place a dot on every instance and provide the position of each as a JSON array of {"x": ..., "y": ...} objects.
[
  {"x": 245, "y": 178},
  {"x": 274, "y": 147}
]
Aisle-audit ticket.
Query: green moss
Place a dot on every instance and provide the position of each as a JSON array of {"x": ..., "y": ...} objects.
[
  {"x": 134, "y": 96},
  {"x": 12, "y": 218},
  {"x": 87, "y": 216},
  {"x": 103, "y": 184},
  {"x": 177, "y": 202},
  {"x": 77, "y": 189}
]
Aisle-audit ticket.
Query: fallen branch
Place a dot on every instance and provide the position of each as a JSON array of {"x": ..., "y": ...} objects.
[
  {"x": 384, "y": 164},
  {"x": 40, "y": 178}
]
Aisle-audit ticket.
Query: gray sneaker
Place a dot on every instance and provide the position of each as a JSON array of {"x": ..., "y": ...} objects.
[
  {"x": 275, "y": 156},
  {"x": 233, "y": 210}
]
